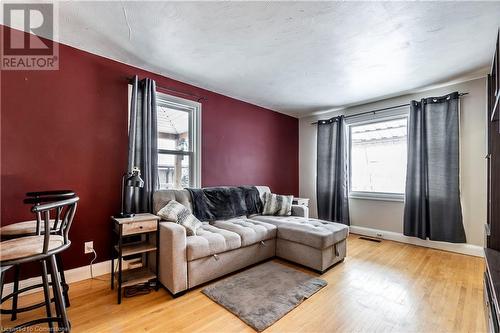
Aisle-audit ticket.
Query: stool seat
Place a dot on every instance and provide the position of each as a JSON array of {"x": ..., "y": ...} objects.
[
  {"x": 23, "y": 228},
  {"x": 23, "y": 247}
]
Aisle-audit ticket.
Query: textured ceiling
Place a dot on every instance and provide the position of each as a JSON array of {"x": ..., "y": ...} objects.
[{"x": 292, "y": 57}]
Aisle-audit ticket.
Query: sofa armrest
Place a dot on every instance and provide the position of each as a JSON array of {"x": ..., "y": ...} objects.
[
  {"x": 300, "y": 210},
  {"x": 173, "y": 260}
]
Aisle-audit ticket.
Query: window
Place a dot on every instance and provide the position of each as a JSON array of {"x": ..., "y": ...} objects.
[
  {"x": 178, "y": 142},
  {"x": 377, "y": 155}
]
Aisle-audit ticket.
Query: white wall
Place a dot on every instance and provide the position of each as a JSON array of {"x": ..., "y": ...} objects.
[{"x": 388, "y": 215}]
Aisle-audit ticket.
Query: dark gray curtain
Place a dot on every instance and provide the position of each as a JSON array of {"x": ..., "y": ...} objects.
[
  {"x": 143, "y": 150},
  {"x": 432, "y": 199},
  {"x": 332, "y": 175}
]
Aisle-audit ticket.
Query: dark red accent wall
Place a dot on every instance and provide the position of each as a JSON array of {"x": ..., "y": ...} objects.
[{"x": 68, "y": 129}]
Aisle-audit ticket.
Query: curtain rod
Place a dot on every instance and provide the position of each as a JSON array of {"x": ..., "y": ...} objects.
[
  {"x": 175, "y": 91},
  {"x": 383, "y": 109}
]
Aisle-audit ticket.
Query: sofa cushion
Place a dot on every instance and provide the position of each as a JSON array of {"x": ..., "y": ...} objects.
[
  {"x": 210, "y": 240},
  {"x": 275, "y": 204},
  {"x": 178, "y": 213},
  {"x": 316, "y": 233},
  {"x": 277, "y": 220},
  {"x": 162, "y": 197},
  {"x": 250, "y": 231}
]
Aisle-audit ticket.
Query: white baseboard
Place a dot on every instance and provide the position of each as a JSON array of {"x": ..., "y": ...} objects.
[
  {"x": 72, "y": 275},
  {"x": 469, "y": 249}
]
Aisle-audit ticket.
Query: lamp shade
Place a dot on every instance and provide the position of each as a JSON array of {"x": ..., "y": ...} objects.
[{"x": 135, "y": 180}]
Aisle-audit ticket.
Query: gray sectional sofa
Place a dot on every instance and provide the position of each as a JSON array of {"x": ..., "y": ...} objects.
[{"x": 225, "y": 246}]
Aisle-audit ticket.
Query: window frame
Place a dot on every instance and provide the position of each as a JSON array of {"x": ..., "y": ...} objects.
[
  {"x": 397, "y": 113},
  {"x": 194, "y": 153}
]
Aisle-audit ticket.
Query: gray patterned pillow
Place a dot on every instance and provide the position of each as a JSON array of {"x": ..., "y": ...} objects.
[
  {"x": 275, "y": 204},
  {"x": 178, "y": 213}
]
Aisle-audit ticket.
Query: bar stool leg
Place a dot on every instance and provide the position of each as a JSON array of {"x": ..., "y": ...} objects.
[
  {"x": 2, "y": 274},
  {"x": 46, "y": 293},
  {"x": 58, "y": 311},
  {"x": 63, "y": 280},
  {"x": 59, "y": 299},
  {"x": 16, "y": 290}
]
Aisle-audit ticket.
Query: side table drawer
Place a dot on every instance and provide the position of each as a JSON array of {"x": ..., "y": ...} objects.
[{"x": 138, "y": 227}]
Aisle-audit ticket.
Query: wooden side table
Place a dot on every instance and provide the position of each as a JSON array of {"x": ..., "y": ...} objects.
[{"x": 141, "y": 227}]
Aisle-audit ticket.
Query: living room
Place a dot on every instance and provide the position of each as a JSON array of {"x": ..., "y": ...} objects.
[{"x": 250, "y": 166}]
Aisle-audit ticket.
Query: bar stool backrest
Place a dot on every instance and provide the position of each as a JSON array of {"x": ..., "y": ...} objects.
[
  {"x": 64, "y": 210},
  {"x": 49, "y": 193},
  {"x": 37, "y": 198}
]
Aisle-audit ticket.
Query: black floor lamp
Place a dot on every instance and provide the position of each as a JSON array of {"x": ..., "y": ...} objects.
[{"x": 130, "y": 179}]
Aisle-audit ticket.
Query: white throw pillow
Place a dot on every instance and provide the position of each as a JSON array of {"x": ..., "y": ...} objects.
[
  {"x": 275, "y": 204},
  {"x": 178, "y": 213}
]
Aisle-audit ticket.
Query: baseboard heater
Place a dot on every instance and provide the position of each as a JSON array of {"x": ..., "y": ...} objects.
[{"x": 376, "y": 240}]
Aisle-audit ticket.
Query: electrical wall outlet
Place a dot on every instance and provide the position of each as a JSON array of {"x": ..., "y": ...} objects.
[{"x": 89, "y": 247}]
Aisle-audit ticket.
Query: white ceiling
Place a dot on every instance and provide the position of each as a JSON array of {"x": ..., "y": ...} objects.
[{"x": 292, "y": 57}]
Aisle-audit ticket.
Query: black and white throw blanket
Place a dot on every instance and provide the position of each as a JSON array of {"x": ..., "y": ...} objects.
[{"x": 219, "y": 203}]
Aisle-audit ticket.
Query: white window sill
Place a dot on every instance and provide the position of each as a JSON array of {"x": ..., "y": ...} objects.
[{"x": 377, "y": 196}]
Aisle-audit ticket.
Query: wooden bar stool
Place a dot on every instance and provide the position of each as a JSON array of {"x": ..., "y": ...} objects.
[
  {"x": 29, "y": 228},
  {"x": 44, "y": 248}
]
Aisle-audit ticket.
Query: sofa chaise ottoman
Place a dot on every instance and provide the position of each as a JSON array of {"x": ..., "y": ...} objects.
[
  {"x": 310, "y": 242},
  {"x": 224, "y": 246}
]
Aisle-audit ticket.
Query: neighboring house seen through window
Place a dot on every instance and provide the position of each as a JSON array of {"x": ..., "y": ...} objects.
[
  {"x": 377, "y": 156},
  {"x": 179, "y": 138}
]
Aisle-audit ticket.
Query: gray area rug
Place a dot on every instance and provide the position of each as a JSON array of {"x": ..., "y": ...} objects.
[{"x": 261, "y": 295}]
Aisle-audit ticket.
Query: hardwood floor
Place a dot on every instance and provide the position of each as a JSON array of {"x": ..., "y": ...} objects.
[{"x": 380, "y": 287}]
